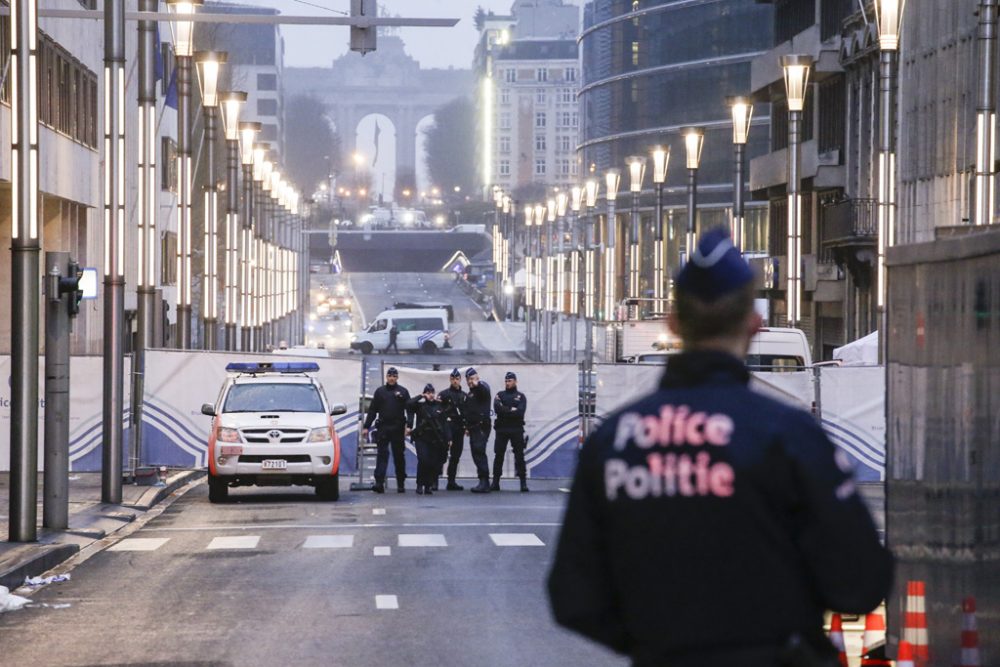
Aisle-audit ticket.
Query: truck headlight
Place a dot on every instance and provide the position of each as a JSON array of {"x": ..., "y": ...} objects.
[
  {"x": 320, "y": 435},
  {"x": 224, "y": 434}
]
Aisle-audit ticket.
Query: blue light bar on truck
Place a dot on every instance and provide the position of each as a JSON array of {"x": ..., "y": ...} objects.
[{"x": 273, "y": 367}]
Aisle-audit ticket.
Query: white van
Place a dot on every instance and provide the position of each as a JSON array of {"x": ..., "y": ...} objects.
[
  {"x": 423, "y": 329},
  {"x": 779, "y": 349}
]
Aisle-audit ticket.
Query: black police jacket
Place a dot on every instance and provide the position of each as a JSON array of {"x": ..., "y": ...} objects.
[
  {"x": 431, "y": 420},
  {"x": 389, "y": 403},
  {"x": 710, "y": 516},
  {"x": 478, "y": 406},
  {"x": 454, "y": 405},
  {"x": 509, "y": 406}
]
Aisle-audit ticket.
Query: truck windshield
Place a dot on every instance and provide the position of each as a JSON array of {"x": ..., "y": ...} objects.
[{"x": 273, "y": 397}]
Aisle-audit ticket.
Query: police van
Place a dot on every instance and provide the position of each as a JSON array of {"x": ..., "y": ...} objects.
[
  {"x": 419, "y": 329},
  {"x": 272, "y": 426}
]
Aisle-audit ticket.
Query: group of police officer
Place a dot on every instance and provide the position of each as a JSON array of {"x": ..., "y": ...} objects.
[{"x": 438, "y": 424}]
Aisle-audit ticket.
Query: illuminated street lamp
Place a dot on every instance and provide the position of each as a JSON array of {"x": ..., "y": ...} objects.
[
  {"x": 183, "y": 28},
  {"x": 575, "y": 286},
  {"x": 248, "y": 155},
  {"x": 797, "y": 69},
  {"x": 590, "y": 269},
  {"x": 661, "y": 163},
  {"x": 694, "y": 144},
  {"x": 742, "y": 113},
  {"x": 209, "y": 63},
  {"x": 637, "y": 172},
  {"x": 612, "y": 180},
  {"x": 232, "y": 103}
]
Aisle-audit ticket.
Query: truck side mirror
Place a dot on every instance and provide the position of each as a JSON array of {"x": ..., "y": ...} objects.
[
  {"x": 208, "y": 410},
  {"x": 338, "y": 409}
]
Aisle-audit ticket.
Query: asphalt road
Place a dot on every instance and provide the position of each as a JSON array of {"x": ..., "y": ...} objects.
[
  {"x": 374, "y": 292},
  {"x": 280, "y": 578}
]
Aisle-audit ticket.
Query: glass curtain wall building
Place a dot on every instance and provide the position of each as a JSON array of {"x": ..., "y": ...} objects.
[{"x": 653, "y": 67}]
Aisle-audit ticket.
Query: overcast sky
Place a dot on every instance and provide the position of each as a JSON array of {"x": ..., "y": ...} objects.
[{"x": 433, "y": 47}]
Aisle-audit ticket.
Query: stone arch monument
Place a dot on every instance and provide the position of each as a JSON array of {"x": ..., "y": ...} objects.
[{"x": 387, "y": 82}]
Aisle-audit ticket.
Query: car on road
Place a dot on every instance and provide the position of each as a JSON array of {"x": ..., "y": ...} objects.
[
  {"x": 272, "y": 426},
  {"x": 420, "y": 329}
]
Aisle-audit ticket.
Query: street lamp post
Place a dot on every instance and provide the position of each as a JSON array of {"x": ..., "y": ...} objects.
[
  {"x": 248, "y": 154},
  {"x": 184, "y": 50},
  {"x": 661, "y": 162},
  {"x": 612, "y": 180},
  {"x": 529, "y": 213},
  {"x": 559, "y": 286},
  {"x": 796, "y": 84},
  {"x": 546, "y": 259},
  {"x": 590, "y": 265},
  {"x": 576, "y": 203},
  {"x": 742, "y": 113},
  {"x": 694, "y": 143},
  {"x": 209, "y": 63},
  {"x": 985, "y": 107},
  {"x": 536, "y": 263},
  {"x": 232, "y": 103},
  {"x": 637, "y": 172},
  {"x": 25, "y": 251}
]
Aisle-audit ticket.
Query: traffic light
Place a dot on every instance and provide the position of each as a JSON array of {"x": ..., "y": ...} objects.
[
  {"x": 71, "y": 285},
  {"x": 364, "y": 39}
]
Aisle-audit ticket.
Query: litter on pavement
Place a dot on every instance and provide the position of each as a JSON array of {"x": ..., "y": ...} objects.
[
  {"x": 9, "y": 601},
  {"x": 41, "y": 581}
]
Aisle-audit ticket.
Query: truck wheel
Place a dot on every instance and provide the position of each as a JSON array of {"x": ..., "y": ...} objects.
[
  {"x": 329, "y": 489},
  {"x": 218, "y": 490},
  {"x": 367, "y": 348},
  {"x": 429, "y": 347}
]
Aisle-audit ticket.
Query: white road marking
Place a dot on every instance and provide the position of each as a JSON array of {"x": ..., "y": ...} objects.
[
  {"x": 378, "y": 511},
  {"x": 563, "y": 490},
  {"x": 329, "y": 542},
  {"x": 237, "y": 542},
  {"x": 423, "y": 540},
  {"x": 383, "y": 551},
  {"x": 354, "y": 526},
  {"x": 140, "y": 544},
  {"x": 386, "y": 602},
  {"x": 516, "y": 540}
]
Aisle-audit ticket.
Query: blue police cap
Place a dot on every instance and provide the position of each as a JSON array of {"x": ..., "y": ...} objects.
[
  {"x": 455, "y": 373},
  {"x": 716, "y": 268},
  {"x": 428, "y": 388},
  {"x": 469, "y": 373},
  {"x": 510, "y": 376},
  {"x": 392, "y": 371}
]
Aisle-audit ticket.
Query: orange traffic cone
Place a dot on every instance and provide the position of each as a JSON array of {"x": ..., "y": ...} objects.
[
  {"x": 915, "y": 620},
  {"x": 970, "y": 635},
  {"x": 837, "y": 639},
  {"x": 904, "y": 658},
  {"x": 873, "y": 641}
]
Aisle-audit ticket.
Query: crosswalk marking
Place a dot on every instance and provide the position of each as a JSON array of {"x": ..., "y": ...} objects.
[
  {"x": 378, "y": 511},
  {"x": 234, "y": 542},
  {"x": 329, "y": 542},
  {"x": 386, "y": 602},
  {"x": 383, "y": 551},
  {"x": 140, "y": 544},
  {"x": 422, "y": 540},
  {"x": 516, "y": 540}
]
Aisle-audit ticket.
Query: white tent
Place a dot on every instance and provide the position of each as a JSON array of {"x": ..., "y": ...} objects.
[{"x": 862, "y": 352}]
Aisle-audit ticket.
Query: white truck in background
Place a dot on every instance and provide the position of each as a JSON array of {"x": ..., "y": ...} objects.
[{"x": 629, "y": 340}]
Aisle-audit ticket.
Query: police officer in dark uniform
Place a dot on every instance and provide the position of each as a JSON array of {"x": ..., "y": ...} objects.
[
  {"x": 430, "y": 437},
  {"x": 509, "y": 406},
  {"x": 453, "y": 399},
  {"x": 477, "y": 422},
  {"x": 389, "y": 404},
  {"x": 708, "y": 524}
]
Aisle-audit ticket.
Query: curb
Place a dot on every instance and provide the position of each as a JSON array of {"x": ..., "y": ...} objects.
[{"x": 31, "y": 560}]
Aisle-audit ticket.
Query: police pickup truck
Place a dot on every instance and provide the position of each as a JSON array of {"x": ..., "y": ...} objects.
[{"x": 272, "y": 426}]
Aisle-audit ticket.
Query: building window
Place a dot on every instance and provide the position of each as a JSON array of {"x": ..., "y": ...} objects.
[
  {"x": 267, "y": 82},
  {"x": 566, "y": 97},
  {"x": 67, "y": 93},
  {"x": 542, "y": 75},
  {"x": 168, "y": 165},
  {"x": 565, "y": 144},
  {"x": 269, "y": 132},
  {"x": 565, "y": 118},
  {"x": 564, "y": 167},
  {"x": 575, "y": 119},
  {"x": 540, "y": 119},
  {"x": 540, "y": 96},
  {"x": 540, "y": 166},
  {"x": 539, "y": 142},
  {"x": 505, "y": 167},
  {"x": 168, "y": 259},
  {"x": 570, "y": 74},
  {"x": 505, "y": 120},
  {"x": 510, "y": 75},
  {"x": 635, "y": 54},
  {"x": 267, "y": 107},
  {"x": 505, "y": 145},
  {"x": 505, "y": 96}
]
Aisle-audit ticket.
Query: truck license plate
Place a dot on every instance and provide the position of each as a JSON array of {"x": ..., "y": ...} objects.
[{"x": 274, "y": 464}]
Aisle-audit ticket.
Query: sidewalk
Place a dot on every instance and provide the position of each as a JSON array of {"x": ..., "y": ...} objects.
[{"x": 89, "y": 520}]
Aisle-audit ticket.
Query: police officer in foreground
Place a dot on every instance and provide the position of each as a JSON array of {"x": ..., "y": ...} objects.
[
  {"x": 509, "y": 406},
  {"x": 430, "y": 438},
  {"x": 707, "y": 524},
  {"x": 477, "y": 423},
  {"x": 453, "y": 400},
  {"x": 389, "y": 405}
]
